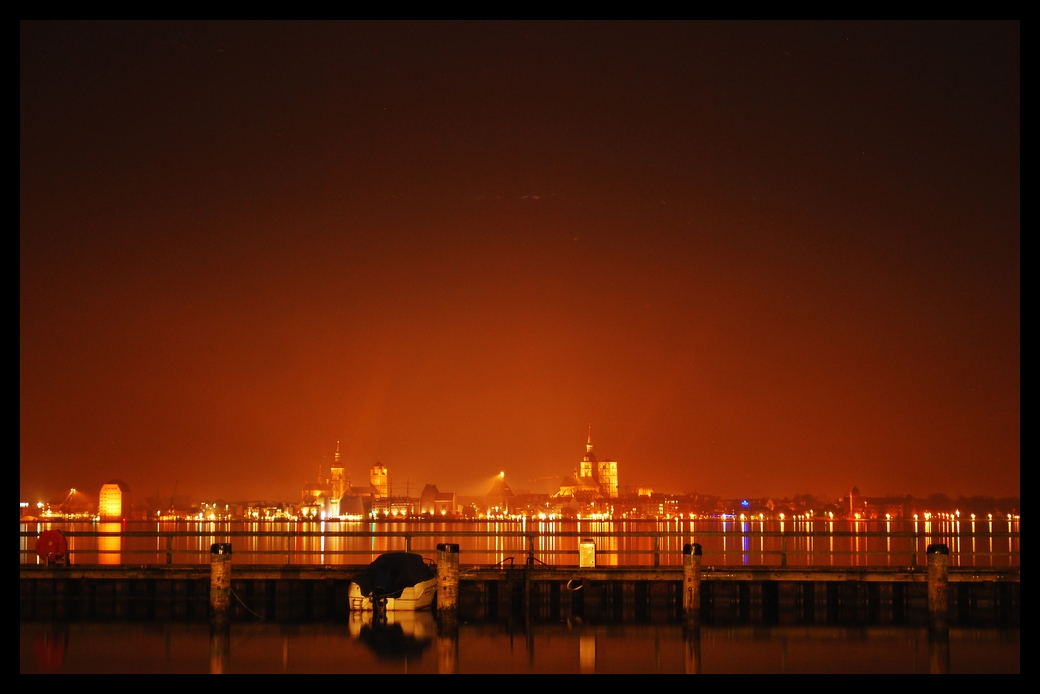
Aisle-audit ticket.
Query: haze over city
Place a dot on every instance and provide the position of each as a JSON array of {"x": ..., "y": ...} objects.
[{"x": 760, "y": 259}]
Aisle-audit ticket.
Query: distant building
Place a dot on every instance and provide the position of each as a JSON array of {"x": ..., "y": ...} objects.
[
  {"x": 395, "y": 508},
  {"x": 380, "y": 483},
  {"x": 330, "y": 497},
  {"x": 533, "y": 505},
  {"x": 263, "y": 510},
  {"x": 570, "y": 488},
  {"x": 601, "y": 473},
  {"x": 435, "y": 502},
  {"x": 114, "y": 502},
  {"x": 596, "y": 479},
  {"x": 315, "y": 493},
  {"x": 338, "y": 482},
  {"x": 351, "y": 508},
  {"x": 500, "y": 498}
]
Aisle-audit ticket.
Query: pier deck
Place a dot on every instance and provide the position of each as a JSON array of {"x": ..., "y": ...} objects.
[{"x": 748, "y": 594}]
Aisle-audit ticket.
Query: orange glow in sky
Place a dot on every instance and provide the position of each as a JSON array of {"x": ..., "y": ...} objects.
[{"x": 761, "y": 259}]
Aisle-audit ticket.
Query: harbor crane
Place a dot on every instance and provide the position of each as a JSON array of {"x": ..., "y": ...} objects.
[{"x": 66, "y": 506}]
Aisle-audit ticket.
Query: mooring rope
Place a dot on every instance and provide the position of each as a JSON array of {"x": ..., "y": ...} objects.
[{"x": 245, "y": 606}]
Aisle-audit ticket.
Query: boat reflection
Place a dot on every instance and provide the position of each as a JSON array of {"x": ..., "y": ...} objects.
[{"x": 394, "y": 635}]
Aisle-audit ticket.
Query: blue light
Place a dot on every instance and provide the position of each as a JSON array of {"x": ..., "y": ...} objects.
[{"x": 744, "y": 503}]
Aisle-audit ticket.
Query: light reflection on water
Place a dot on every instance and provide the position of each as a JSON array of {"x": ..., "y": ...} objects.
[
  {"x": 630, "y": 543},
  {"x": 416, "y": 643}
]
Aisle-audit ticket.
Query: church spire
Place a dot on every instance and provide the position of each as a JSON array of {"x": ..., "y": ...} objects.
[{"x": 588, "y": 446}]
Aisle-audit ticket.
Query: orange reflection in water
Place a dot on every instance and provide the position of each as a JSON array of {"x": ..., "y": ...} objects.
[{"x": 110, "y": 546}]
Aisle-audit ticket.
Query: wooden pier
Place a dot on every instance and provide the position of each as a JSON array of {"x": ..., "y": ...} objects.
[{"x": 756, "y": 594}]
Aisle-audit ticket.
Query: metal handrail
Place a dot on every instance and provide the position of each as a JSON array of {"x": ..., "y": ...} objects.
[
  {"x": 531, "y": 539},
  {"x": 216, "y": 532}
]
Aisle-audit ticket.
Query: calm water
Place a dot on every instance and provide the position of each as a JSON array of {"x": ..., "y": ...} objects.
[
  {"x": 415, "y": 644},
  {"x": 816, "y": 543}
]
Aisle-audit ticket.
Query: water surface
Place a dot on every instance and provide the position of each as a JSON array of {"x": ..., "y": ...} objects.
[{"x": 417, "y": 644}]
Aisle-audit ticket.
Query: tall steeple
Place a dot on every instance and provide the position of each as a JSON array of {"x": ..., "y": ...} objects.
[
  {"x": 587, "y": 467},
  {"x": 339, "y": 482}
]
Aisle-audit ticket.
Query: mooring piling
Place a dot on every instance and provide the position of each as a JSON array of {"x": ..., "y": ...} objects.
[
  {"x": 220, "y": 580},
  {"x": 691, "y": 580},
  {"x": 938, "y": 583},
  {"x": 447, "y": 577}
]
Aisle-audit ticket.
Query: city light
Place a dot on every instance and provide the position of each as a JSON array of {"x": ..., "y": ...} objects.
[{"x": 320, "y": 504}]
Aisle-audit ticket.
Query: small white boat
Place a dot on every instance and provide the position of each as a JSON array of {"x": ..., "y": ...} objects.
[{"x": 394, "y": 582}]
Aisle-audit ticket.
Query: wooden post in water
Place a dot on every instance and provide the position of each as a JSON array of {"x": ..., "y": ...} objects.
[
  {"x": 691, "y": 580},
  {"x": 220, "y": 580},
  {"x": 447, "y": 578},
  {"x": 938, "y": 583}
]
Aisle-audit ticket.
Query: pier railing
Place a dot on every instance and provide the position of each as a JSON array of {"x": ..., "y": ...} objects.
[{"x": 302, "y": 545}]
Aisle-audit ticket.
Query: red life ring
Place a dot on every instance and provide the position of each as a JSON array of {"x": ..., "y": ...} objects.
[{"x": 51, "y": 545}]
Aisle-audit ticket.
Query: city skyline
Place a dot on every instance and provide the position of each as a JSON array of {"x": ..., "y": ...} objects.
[
  {"x": 338, "y": 478},
  {"x": 762, "y": 259}
]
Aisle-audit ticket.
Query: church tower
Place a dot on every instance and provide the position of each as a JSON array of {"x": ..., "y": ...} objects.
[
  {"x": 379, "y": 481},
  {"x": 599, "y": 474},
  {"x": 338, "y": 481},
  {"x": 588, "y": 469}
]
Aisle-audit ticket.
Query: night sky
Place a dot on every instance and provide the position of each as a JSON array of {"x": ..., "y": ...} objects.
[{"x": 759, "y": 259}]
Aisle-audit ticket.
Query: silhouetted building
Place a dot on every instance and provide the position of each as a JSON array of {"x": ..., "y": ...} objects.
[
  {"x": 435, "y": 502},
  {"x": 500, "y": 498},
  {"x": 351, "y": 508}
]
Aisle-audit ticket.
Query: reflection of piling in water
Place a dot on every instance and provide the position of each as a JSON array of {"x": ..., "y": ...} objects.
[
  {"x": 220, "y": 581},
  {"x": 939, "y": 650},
  {"x": 587, "y": 653},
  {"x": 447, "y": 644},
  {"x": 447, "y": 577},
  {"x": 220, "y": 648},
  {"x": 938, "y": 584},
  {"x": 691, "y": 580},
  {"x": 691, "y": 648},
  {"x": 50, "y": 648}
]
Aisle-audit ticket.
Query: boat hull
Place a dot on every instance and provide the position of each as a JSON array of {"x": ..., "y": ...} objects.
[{"x": 413, "y": 598}]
